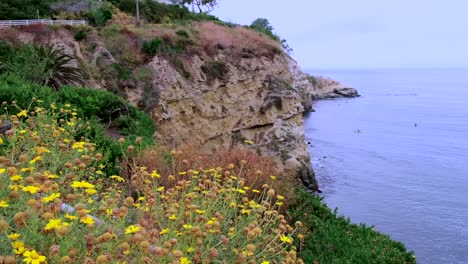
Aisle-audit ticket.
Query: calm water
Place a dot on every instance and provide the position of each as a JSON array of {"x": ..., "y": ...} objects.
[{"x": 397, "y": 157}]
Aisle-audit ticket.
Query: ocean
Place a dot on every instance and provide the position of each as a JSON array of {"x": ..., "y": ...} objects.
[{"x": 397, "y": 157}]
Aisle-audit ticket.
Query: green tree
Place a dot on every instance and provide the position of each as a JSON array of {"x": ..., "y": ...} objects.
[{"x": 209, "y": 4}]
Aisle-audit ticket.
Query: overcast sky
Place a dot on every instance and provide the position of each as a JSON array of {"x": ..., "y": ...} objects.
[{"x": 344, "y": 34}]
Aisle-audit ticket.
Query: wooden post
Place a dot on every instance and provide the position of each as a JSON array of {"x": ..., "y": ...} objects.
[{"x": 138, "y": 12}]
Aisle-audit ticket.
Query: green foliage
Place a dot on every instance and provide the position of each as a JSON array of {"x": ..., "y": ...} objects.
[
  {"x": 333, "y": 239},
  {"x": 24, "y": 9},
  {"x": 80, "y": 35},
  {"x": 44, "y": 65},
  {"x": 161, "y": 46},
  {"x": 263, "y": 25},
  {"x": 123, "y": 73},
  {"x": 183, "y": 33},
  {"x": 100, "y": 16},
  {"x": 99, "y": 108},
  {"x": 214, "y": 70}
]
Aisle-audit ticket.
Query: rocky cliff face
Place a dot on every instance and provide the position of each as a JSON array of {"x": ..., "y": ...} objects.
[{"x": 234, "y": 85}]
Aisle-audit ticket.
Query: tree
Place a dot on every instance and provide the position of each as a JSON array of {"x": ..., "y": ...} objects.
[
  {"x": 210, "y": 4},
  {"x": 262, "y": 24}
]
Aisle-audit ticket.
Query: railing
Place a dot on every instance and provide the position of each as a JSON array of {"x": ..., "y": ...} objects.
[{"x": 12, "y": 23}]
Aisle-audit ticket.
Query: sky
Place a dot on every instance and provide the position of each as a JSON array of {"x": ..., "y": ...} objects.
[{"x": 363, "y": 34}]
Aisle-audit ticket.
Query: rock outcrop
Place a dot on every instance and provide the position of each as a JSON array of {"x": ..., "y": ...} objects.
[{"x": 326, "y": 88}]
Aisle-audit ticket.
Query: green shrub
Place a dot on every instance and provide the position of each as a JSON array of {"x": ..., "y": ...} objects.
[
  {"x": 123, "y": 73},
  {"x": 333, "y": 239},
  {"x": 262, "y": 25},
  {"x": 161, "y": 46},
  {"x": 24, "y": 9},
  {"x": 80, "y": 35},
  {"x": 100, "y": 108},
  {"x": 154, "y": 46},
  {"x": 214, "y": 70}
]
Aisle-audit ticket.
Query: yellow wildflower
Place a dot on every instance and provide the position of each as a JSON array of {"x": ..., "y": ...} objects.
[
  {"x": 1, "y": 140},
  {"x": 164, "y": 231},
  {"x": 3, "y": 204},
  {"x": 155, "y": 174},
  {"x": 87, "y": 220},
  {"x": 54, "y": 224},
  {"x": 99, "y": 172},
  {"x": 255, "y": 191},
  {"x": 14, "y": 236},
  {"x": 15, "y": 178},
  {"x": 32, "y": 257},
  {"x": 51, "y": 197},
  {"x": 71, "y": 217},
  {"x": 82, "y": 184},
  {"x": 30, "y": 169},
  {"x": 41, "y": 150},
  {"x": 78, "y": 145},
  {"x": 240, "y": 191},
  {"x": 265, "y": 262},
  {"x": 30, "y": 189},
  {"x": 173, "y": 217},
  {"x": 132, "y": 229},
  {"x": 279, "y": 197},
  {"x": 185, "y": 261},
  {"x": 35, "y": 159},
  {"x": 117, "y": 178},
  {"x": 160, "y": 189},
  {"x": 90, "y": 191},
  {"x": 187, "y": 226},
  {"x": 286, "y": 239},
  {"x": 23, "y": 113},
  {"x": 200, "y": 212},
  {"x": 2, "y": 170},
  {"x": 18, "y": 246}
]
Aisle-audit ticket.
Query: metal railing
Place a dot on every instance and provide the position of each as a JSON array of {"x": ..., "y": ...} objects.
[{"x": 12, "y": 23}]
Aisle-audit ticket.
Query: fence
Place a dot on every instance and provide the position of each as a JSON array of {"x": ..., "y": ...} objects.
[{"x": 11, "y": 23}]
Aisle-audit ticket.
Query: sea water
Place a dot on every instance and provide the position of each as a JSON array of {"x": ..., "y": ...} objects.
[{"x": 397, "y": 157}]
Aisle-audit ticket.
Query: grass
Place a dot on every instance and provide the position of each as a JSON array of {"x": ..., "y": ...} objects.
[{"x": 331, "y": 238}]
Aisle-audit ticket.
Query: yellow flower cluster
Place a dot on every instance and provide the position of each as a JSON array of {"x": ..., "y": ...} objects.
[{"x": 57, "y": 206}]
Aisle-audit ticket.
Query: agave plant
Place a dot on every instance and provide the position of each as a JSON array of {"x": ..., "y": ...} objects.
[{"x": 56, "y": 67}]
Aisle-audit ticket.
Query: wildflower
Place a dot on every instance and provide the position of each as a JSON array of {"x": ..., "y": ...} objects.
[
  {"x": 1, "y": 140},
  {"x": 187, "y": 226},
  {"x": 240, "y": 191},
  {"x": 71, "y": 217},
  {"x": 185, "y": 261},
  {"x": 32, "y": 257},
  {"x": 109, "y": 212},
  {"x": 41, "y": 150},
  {"x": 88, "y": 220},
  {"x": 255, "y": 191},
  {"x": 279, "y": 203},
  {"x": 22, "y": 113},
  {"x": 248, "y": 142},
  {"x": 2, "y": 170},
  {"x": 200, "y": 212},
  {"x": 273, "y": 177},
  {"x": 173, "y": 217},
  {"x": 14, "y": 236},
  {"x": 132, "y": 229},
  {"x": 286, "y": 239},
  {"x": 155, "y": 174},
  {"x": 30, "y": 189},
  {"x": 51, "y": 197},
  {"x": 55, "y": 224},
  {"x": 160, "y": 189},
  {"x": 78, "y": 145},
  {"x": 245, "y": 211},
  {"x": 279, "y": 197},
  {"x": 30, "y": 169},
  {"x": 265, "y": 262},
  {"x": 90, "y": 191},
  {"x": 3, "y": 204},
  {"x": 50, "y": 176},
  {"x": 82, "y": 184},
  {"x": 117, "y": 178},
  {"x": 164, "y": 231},
  {"x": 35, "y": 159},
  {"x": 18, "y": 246},
  {"x": 99, "y": 172}
]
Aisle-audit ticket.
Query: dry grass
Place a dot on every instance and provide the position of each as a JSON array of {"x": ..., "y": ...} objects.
[
  {"x": 238, "y": 39},
  {"x": 255, "y": 170}
]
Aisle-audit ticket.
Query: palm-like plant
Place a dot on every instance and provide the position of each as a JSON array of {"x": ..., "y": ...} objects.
[{"x": 56, "y": 68}]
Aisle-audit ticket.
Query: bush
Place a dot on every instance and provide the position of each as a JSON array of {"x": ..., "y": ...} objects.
[
  {"x": 333, "y": 239},
  {"x": 161, "y": 46},
  {"x": 80, "y": 35},
  {"x": 24, "y": 9},
  {"x": 263, "y": 25},
  {"x": 94, "y": 106}
]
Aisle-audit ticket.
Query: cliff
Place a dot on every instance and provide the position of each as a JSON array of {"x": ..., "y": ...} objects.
[{"x": 203, "y": 84}]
